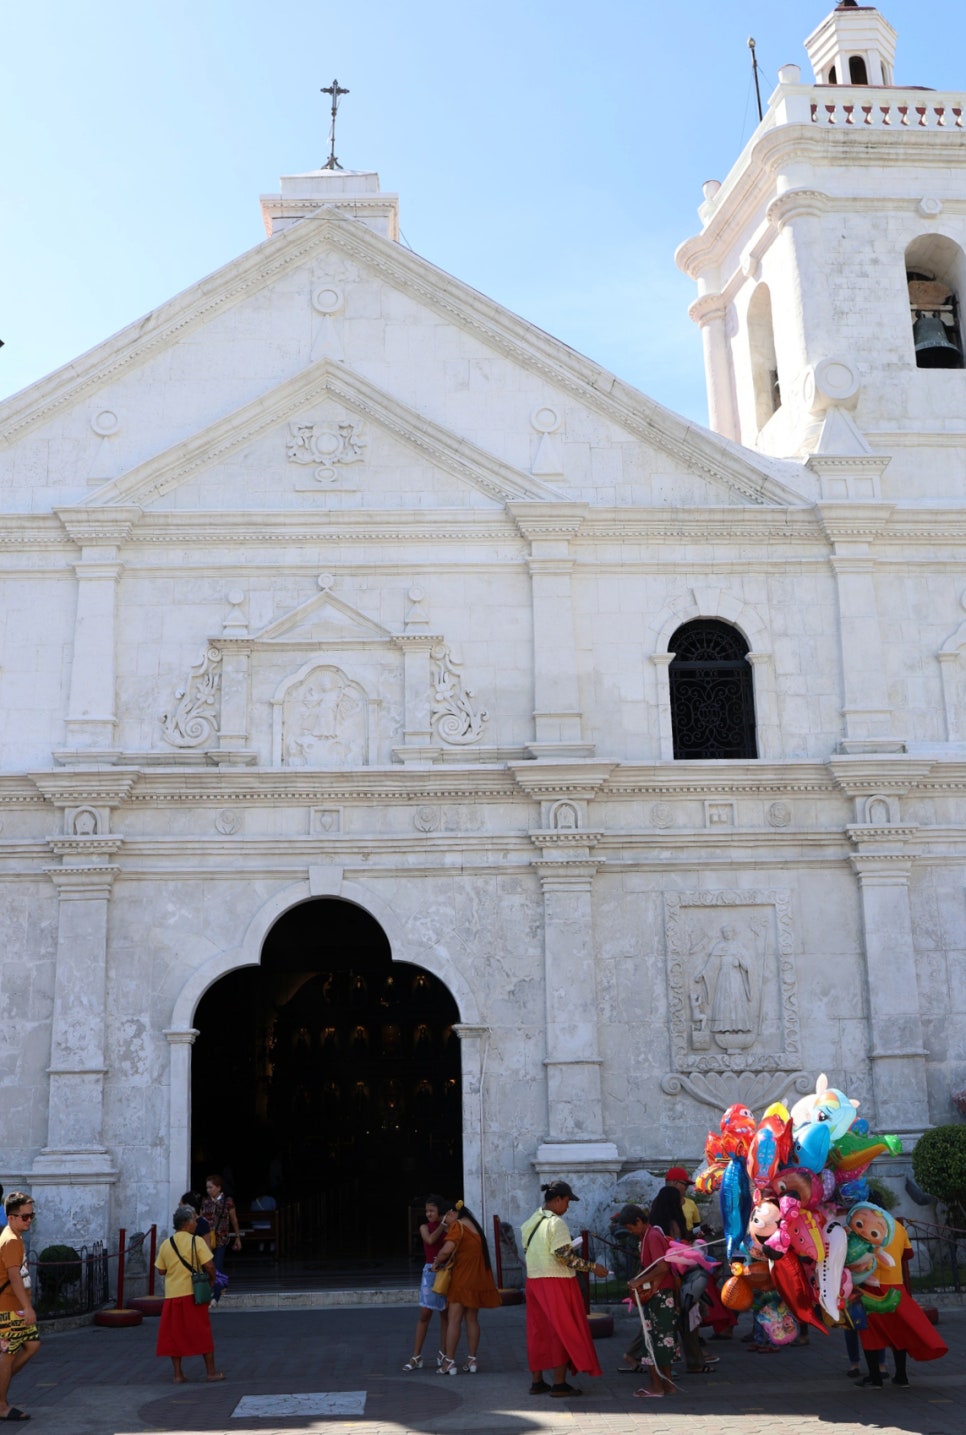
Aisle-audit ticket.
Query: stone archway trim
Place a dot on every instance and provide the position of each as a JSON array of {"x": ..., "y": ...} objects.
[{"x": 321, "y": 882}]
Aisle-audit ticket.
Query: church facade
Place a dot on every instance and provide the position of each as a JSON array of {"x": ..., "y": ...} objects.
[{"x": 331, "y": 581}]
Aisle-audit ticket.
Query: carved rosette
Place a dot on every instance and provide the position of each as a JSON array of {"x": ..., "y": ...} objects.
[
  {"x": 194, "y": 720},
  {"x": 454, "y": 715}
]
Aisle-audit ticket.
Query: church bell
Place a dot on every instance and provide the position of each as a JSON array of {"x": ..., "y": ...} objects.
[{"x": 934, "y": 348}]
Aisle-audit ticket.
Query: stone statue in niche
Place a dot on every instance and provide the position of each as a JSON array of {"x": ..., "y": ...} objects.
[
  {"x": 726, "y": 994},
  {"x": 324, "y": 722}
]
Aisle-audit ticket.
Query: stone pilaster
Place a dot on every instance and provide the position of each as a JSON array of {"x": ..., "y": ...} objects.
[
  {"x": 75, "y": 1167},
  {"x": 474, "y": 1045},
  {"x": 557, "y": 719},
  {"x": 417, "y": 747},
  {"x": 866, "y": 710},
  {"x": 91, "y": 719},
  {"x": 882, "y": 859},
  {"x": 897, "y": 1050}
]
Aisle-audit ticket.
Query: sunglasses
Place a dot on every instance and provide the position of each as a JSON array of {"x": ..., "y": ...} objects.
[{"x": 28, "y": 1216}]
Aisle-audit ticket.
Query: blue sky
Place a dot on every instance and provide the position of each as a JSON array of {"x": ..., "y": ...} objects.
[{"x": 548, "y": 152}]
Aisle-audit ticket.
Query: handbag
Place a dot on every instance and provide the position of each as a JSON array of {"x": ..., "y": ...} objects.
[
  {"x": 441, "y": 1281},
  {"x": 200, "y": 1284}
]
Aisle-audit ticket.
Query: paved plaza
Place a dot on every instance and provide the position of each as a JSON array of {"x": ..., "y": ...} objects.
[{"x": 93, "y": 1381}]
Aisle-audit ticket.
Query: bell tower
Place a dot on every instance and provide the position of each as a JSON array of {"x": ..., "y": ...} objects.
[{"x": 831, "y": 270}]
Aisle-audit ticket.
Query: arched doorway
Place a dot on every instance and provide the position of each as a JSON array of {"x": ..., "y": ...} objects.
[{"x": 329, "y": 1077}]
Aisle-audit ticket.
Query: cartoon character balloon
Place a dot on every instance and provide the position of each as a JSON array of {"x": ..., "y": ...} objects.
[{"x": 819, "y": 1119}]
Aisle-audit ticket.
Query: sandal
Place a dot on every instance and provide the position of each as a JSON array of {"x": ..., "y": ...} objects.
[
  {"x": 700, "y": 1370},
  {"x": 539, "y": 1387},
  {"x": 469, "y": 1367},
  {"x": 446, "y": 1366},
  {"x": 415, "y": 1362},
  {"x": 564, "y": 1391}
]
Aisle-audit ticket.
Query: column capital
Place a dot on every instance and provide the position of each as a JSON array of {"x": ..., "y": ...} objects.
[
  {"x": 83, "y": 884},
  {"x": 181, "y": 1036}
]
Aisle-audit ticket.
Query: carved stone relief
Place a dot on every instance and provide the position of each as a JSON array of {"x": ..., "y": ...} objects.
[
  {"x": 455, "y": 717},
  {"x": 194, "y": 719},
  {"x": 327, "y": 446},
  {"x": 732, "y": 990},
  {"x": 325, "y": 721}
]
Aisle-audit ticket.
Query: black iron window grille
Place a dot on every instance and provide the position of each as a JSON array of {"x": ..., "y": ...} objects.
[{"x": 712, "y": 695}]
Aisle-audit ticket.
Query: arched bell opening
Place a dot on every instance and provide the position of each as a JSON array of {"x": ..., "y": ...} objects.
[
  {"x": 329, "y": 1078},
  {"x": 935, "y": 275}
]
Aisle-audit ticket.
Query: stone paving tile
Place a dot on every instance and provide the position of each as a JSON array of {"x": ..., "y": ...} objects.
[{"x": 109, "y": 1382}]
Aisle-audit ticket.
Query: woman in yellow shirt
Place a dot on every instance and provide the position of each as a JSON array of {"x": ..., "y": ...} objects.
[{"x": 185, "y": 1327}]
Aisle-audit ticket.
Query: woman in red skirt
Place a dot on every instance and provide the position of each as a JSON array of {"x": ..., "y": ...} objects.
[
  {"x": 558, "y": 1332},
  {"x": 185, "y": 1327}
]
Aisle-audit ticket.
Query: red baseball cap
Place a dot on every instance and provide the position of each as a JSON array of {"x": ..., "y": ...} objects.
[{"x": 678, "y": 1173}]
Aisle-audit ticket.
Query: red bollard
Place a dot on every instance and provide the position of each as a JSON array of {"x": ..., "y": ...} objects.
[{"x": 119, "y": 1316}]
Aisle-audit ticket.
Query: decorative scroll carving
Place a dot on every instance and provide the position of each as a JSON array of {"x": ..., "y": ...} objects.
[
  {"x": 755, "y": 1089},
  {"x": 325, "y": 722},
  {"x": 328, "y": 445},
  {"x": 455, "y": 717},
  {"x": 731, "y": 982},
  {"x": 194, "y": 720}
]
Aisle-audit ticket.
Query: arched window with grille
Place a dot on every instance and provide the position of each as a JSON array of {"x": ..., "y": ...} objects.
[{"x": 712, "y": 695}]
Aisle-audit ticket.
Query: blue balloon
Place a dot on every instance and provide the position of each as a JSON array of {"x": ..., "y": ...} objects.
[{"x": 735, "y": 1207}]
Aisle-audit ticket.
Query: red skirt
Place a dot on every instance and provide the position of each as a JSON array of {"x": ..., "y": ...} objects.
[
  {"x": 557, "y": 1328},
  {"x": 185, "y": 1328},
  {"x": 906, "y": 1328}
]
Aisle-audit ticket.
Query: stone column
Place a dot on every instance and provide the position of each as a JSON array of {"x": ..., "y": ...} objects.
[
  {"x": 91, "y": 719},
  {"x": 179, "y": 1112},
  {"x": 709, "y": 312},
  {"x": 866, "y": 711},
  {"x": 557, "y": 719}
]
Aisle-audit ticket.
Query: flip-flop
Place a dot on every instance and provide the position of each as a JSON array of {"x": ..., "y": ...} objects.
[
  {"x": 645, "y": 1394},
  {"x": 14, "y": 1414}
]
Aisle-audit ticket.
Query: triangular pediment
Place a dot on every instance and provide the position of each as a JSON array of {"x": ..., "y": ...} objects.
[
  {"x": 295, "y": 405},
  {"x": 324, "y": 620},
  {"x": 332, "y": 238}
]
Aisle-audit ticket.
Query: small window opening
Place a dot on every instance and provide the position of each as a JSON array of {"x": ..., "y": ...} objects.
[
  {"x": 936, "y": 332},
  {"x": 858, "y": 75},
  {"x": 833, "y": 78}
]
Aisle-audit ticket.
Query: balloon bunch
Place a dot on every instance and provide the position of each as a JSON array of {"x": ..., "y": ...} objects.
[{"x": 795, "y": 1207}]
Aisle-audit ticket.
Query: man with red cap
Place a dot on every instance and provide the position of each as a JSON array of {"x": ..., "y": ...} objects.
[{"x": 677, "y": 1176}]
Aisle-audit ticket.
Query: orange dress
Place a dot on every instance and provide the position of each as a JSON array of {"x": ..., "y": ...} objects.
[{"x": 472, "y": 1284}]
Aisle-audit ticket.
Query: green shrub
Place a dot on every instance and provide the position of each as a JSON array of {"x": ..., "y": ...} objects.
[
  {"x": 939, "y": 1166},
  {"x": 57, "y": 1267}
]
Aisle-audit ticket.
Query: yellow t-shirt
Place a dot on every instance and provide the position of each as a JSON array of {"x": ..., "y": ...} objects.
[
  {"x": 549, "y": 1233},
  {"x": 892, "y": 1275},
  {"x": 692, "y": 1216},
  {"x": 177, "y": 1279}
]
